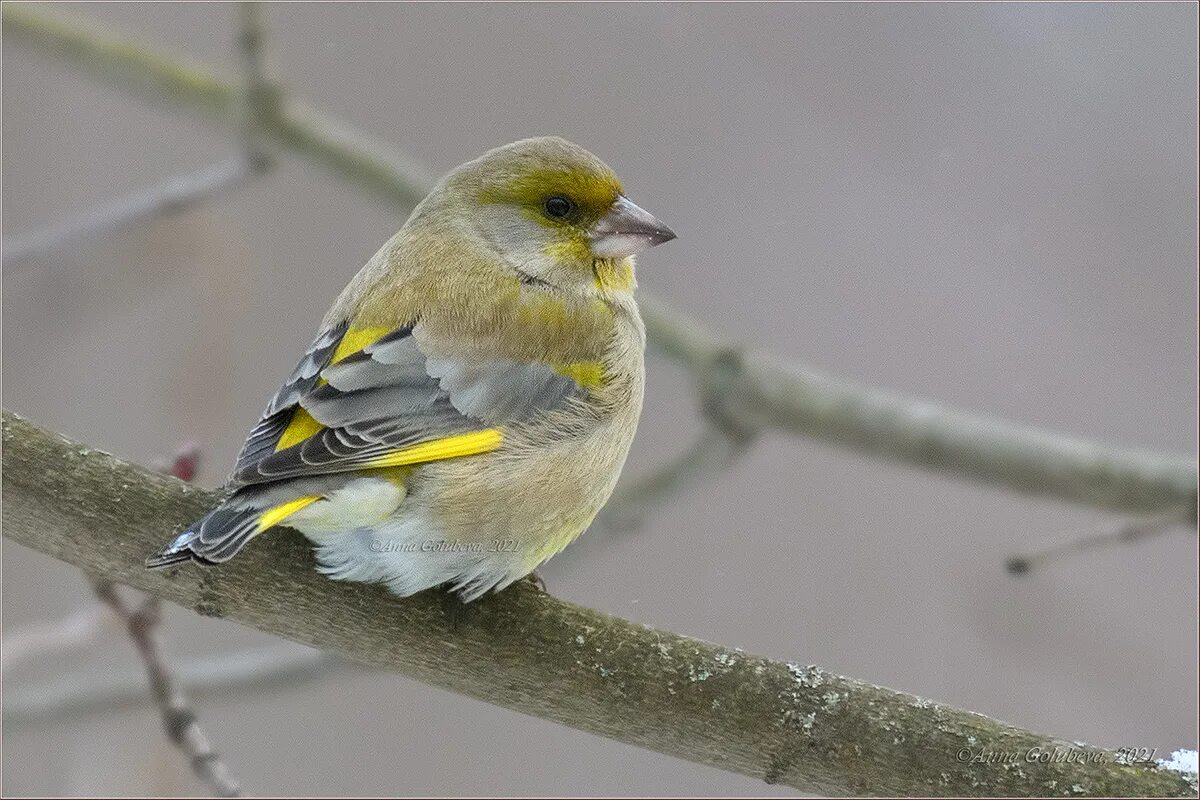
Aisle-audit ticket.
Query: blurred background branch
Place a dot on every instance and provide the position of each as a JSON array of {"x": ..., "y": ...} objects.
[
  {"x": 1126, "y": 532},
  {"x": 259, "y": 107},
  {"x": 253, "y": 670},
  {"x": 261, "y": 92},
  {"x": 740, "y": 388},
  {"x": 168, "y": 197},
  {"x": 713, "y": 450},
  {"x": 51, "y": 638},
  {"x": 781, "y": 722},
  {"x": 179, "y": 719}
]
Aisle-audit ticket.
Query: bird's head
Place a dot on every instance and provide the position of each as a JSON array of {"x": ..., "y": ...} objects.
[{"x": 556, "y": 213}]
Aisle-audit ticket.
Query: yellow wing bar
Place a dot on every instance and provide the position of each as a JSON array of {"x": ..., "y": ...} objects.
[
  {"x": 273, "y": 516},
  {"x": 463, "y": 444}
]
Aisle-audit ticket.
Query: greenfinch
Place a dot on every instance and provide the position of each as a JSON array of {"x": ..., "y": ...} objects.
[{"x": 469, "y": 400}]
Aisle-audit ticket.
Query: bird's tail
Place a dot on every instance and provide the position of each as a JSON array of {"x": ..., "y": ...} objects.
[
  {"x": 223, "y": 533},
  {"x": 216, "y": 538}
]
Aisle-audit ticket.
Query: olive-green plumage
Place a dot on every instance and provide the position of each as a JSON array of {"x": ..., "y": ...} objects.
[{"x": 469, "y": 400}]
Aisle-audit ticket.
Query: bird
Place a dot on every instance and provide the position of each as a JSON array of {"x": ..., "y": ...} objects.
[{"x": 468, "y": 402}]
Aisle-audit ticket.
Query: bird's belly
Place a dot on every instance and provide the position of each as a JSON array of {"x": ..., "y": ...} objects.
[
  {"x": 415, "y": 549},
  {"x": 477, "y": 523}
]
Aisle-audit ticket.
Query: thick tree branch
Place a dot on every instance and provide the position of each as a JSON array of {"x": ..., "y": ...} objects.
[
  {"x": 752, "y": 390},
  {"x": 527, "y": 651}
]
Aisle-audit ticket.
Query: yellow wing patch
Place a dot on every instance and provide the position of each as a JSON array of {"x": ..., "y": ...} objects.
[
  {"x": 356, "y": 339},
  {"x": 588, "y": 374},
  {"x": 303, "y": 425},
  {"x": 273, "y": 516},
  {"x": 463, "y": 444}
]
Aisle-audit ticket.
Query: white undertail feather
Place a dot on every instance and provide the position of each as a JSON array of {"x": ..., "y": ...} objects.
[{"x": 408, "y": 555}]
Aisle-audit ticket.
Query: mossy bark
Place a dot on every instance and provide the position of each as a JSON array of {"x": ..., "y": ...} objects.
[{"x": 524, "y": 650}]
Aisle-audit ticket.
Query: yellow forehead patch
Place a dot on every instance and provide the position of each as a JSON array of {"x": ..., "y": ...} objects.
[{"x": 593, "y": 190}]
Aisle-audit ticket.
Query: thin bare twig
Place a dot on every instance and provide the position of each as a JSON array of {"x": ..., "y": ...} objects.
[
  {"x": 723, "y": 439},
  {"x": 261, "y": 103},
  {"x": 182, "y": 726},
  {"x": 714, "y": 450},
  {"x": 261, "y": 92},
  {"x": 169, "y": 197},
  {"x": 262, "y": 669},
  {"x": 1127, "y": 532}
]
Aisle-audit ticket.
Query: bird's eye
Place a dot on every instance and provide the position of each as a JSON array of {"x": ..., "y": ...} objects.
[{"x": 558, "y": 206}]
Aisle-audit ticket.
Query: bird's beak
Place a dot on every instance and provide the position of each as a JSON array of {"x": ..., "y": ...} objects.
[{"x": 626, "y": 230}]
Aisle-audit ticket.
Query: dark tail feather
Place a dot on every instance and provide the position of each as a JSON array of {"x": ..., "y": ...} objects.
[
  {"x": 213, "y": 540},
  {"x": 167, "y": 558},
  {"x": 178, "y": 551}
]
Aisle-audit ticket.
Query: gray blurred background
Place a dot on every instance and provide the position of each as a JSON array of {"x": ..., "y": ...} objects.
[{"x": 988, "y": 205}]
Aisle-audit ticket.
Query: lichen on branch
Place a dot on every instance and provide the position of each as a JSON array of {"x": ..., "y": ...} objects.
[{"x": 525, "y": 650}]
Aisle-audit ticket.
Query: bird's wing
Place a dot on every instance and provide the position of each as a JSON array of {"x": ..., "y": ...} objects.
[{"x": 371, "y": 398}]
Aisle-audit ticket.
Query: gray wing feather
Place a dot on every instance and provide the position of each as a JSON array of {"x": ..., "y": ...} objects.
[
  {"x": 391, "y": 394},
  {"x": 304, "y": 377},
  {"x": 278, "y": 413},
  {"x": 499, "y": 389},
  {"x": 386, "y": 362}
]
